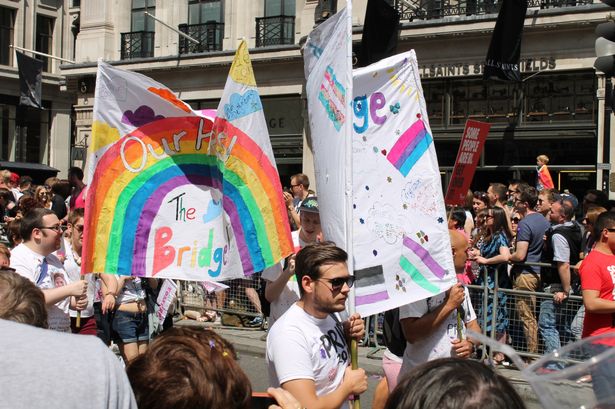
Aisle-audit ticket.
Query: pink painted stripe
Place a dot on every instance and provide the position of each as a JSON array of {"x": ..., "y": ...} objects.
[{"x": 405, "y": 139}]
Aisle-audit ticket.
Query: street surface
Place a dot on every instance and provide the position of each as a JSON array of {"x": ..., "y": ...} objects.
[{"x": 255, "y": 366}]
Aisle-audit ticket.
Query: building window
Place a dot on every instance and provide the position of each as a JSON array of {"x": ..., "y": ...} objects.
[
  {"x": 7, "y": 21},
  {"x": 206, "y": 24},
  {"x": 205, "y": 11},
  {"x": 558, "y": 98},
  {"x": 278, "y": 25},
  {"x": 44, "y": 39},
  {"x": 547, "y": 98},
  {"x": 279, "y": 8},
  {"x": 138, "y": 20},
  {"x": 139, "y": 43},
  {"x": 5, "y": 127}
]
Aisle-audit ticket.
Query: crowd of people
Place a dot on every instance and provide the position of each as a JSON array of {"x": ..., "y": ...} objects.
[
  {"x": 532, "y": 240},
  {"x": 496, "y": 241}
]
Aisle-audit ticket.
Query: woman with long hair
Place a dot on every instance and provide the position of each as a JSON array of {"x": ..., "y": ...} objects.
[
  {"x": 493, "y": 258},
  {"x": 476, "y": 242},
  {"x": 43, "y": 197}
]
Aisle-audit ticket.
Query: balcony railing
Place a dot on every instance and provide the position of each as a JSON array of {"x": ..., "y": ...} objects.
[
  {"x": 209, "y": 34},
  {"x": 137, "y": 44},
  {"x": 276, "y": 30},
  {"x": 410, "y": 10}
]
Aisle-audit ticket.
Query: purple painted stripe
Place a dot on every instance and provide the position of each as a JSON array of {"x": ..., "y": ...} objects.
[
  {"x": 425, "y": 257},
  {"x": 371, "y": 298},
  {"x": 152, "y": 208}
]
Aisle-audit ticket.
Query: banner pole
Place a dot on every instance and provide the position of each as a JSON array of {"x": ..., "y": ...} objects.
[
  {"x": 40, "y": 53},
  {"x": 459, "y": 320},
  {"x": 78, "y": 320},
  {"x": 354, "y": 347}
]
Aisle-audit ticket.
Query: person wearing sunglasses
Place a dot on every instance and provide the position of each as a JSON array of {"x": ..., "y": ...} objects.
[
  {"x": 34, "y": 259},
  {"x": 492, "y": 257},
  {"x": 515, "y": 218},
  {"x": 598, "y": 285},
  {"x": 562, "y": 249},
  {"x": 528, "y": 248},
  {"x": 546, "y": 198},
  {"x": 308, "y": 350},
  {"x": 72, "y": 264}
]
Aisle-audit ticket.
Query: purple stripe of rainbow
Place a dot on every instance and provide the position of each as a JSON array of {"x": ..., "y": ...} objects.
[
  {"x": 425, "y": 257},
  {"x": 154, "y": 202}
]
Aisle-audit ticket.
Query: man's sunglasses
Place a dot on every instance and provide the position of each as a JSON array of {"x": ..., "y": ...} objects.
[
  {"x": 338, "y": 283},
  {"x": 57, "y": 228}
]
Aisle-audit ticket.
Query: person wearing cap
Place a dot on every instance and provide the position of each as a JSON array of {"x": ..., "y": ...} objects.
[
  {"x": 281, "y": 288},
  {"x": 14, "y": 186}
]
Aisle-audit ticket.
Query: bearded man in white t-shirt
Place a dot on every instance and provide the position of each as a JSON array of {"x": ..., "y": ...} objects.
[
  {"x": 42, "y": 235},
  {"x": 307, "y": 348}
]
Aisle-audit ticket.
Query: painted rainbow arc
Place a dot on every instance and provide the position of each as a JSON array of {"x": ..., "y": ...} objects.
[{"x": 120, "y": 212}]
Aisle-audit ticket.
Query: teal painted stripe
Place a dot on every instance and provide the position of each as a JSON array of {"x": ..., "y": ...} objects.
[{"x": 417, "y": 277}]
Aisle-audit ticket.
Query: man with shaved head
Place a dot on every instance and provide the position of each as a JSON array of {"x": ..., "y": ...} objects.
[
  {"x": 430, "y": 325},
  {"x": 459, "y": 245}
]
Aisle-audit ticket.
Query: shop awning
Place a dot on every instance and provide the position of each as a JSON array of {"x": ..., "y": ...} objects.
[{"x": 37, "y": 171}]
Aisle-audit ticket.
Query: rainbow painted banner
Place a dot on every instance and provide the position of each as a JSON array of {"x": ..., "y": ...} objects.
[{"x": 173, "y": 194}]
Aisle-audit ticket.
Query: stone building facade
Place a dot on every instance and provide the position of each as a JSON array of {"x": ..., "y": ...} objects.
[{"x": 557, "y": 110}]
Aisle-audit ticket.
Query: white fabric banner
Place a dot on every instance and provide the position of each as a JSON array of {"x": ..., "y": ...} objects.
[
  {"x": 166, "y": 297},
  {"x": 173, "y": 194},
  {"x": 402, "y": 249},
  {"x": 328, "y": 69}
]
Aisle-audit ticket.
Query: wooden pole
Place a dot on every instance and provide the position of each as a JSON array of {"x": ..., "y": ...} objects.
[
  {"x": 78, "y": 321},
  {"x": 354, "y": 362}
]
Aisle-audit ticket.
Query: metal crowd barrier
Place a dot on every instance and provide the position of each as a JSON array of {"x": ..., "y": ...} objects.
[
  {"x": 239, "y": 304},
  {"x": 569, "y": 319}
]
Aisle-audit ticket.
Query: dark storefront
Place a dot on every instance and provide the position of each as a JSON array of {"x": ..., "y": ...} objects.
[{"x": 552, "y": 113}]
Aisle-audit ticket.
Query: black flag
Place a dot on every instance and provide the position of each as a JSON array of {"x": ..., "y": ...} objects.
[
  {"x": 30, "y": 80},
  {"x": 505, "y": 49},
  {"x": 380, "y": 33}
]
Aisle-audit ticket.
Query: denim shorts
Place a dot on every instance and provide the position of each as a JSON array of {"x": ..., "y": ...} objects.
[{"x": 131, "y": 326}]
